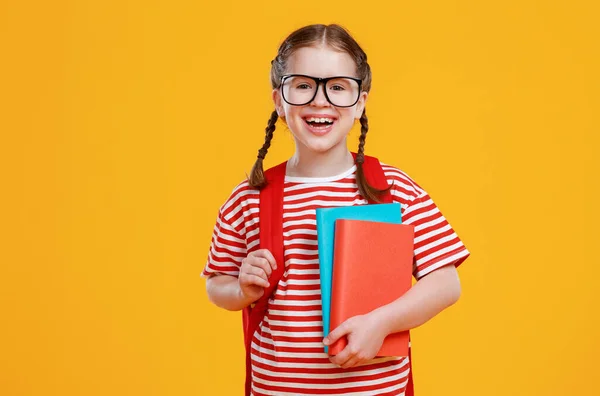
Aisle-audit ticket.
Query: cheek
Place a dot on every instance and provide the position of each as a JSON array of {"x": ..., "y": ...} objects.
[
  {"x": 348, "y": 116},
  {"x": 291, "y": 112},
  {"x": 348, "y": 112}
]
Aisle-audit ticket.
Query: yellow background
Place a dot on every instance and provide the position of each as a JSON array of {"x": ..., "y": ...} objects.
[{"x": 121, "y": 136}]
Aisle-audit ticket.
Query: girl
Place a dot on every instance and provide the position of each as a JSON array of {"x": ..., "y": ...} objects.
[{"x": 321, "y": 80}]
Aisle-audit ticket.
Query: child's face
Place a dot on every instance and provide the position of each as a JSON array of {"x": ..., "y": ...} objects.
[{"x": 309, "y": 133}]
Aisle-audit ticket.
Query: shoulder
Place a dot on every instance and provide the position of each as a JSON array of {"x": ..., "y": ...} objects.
[
  {"x": 243, "y": 195},
  {"x": 242, "y": 201},
  {"x": 404, "y": 188}
]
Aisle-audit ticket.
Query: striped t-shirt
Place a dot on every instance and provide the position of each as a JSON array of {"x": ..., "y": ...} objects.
[{"x": 287, "y": 349}]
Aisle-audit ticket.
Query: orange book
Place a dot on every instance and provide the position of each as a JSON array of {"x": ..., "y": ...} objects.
[{"x": 372, "y": 266}]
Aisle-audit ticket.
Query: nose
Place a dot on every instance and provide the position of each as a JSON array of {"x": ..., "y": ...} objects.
[{"x": 320, "y": 100}]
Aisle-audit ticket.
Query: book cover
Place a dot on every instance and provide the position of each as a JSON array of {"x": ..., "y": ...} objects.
[{"x": 372, "y": 267}]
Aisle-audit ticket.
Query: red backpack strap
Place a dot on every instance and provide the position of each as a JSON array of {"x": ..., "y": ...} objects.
[
  {"x": 376, "y": 177},
  {"x": 271, "y": 238}
]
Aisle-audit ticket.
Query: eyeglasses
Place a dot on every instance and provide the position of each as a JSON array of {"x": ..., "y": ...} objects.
[{"x": 300, "y": 90}]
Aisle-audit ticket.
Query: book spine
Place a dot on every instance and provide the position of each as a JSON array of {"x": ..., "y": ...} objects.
[{"x": 338, "y": 293}]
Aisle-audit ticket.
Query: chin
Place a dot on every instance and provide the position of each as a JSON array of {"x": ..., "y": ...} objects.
[
  {"x": 323, "y": 144},
  {"x": 320, "y": 143}
]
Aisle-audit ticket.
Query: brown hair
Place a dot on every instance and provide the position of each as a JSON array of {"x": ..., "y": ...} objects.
[{"x": 338, "y": 38}]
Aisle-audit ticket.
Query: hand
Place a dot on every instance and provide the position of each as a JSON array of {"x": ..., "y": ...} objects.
[
  {"x": 254, "y": 275},
  {"x": 365, "y": 334}
]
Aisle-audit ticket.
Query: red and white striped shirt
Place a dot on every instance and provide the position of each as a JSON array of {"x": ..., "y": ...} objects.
[{"x": 287, "y": 349}]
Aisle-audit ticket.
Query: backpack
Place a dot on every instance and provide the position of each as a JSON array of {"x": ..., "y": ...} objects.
[{"x": 271, "y": 238}]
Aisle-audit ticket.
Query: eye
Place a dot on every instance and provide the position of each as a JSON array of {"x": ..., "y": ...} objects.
[
  {"x": 303, "y": 86},
  {"x": 337, "y": 87}
]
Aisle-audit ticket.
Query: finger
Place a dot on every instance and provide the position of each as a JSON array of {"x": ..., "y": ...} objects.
[
  {"x": 353, "y": 361},
  {"x": 266, "y": 254},
  {"x": 257, "y": 271},
  {"x": 350, "y": 363},
  {"x": 342, "y": 358},
  {"x": 262, "y": 263},
  {"x": 251, "y": 262},
  {"x": 250, "y": 279},
  {"x": 337, "y": 333}
]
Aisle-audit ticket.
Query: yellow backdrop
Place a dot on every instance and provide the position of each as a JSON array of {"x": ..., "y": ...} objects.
[{"x": 125, "y": 124}]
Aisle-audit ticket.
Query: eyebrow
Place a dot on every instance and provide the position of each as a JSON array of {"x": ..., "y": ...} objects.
[{"x": 320, "y": 78}]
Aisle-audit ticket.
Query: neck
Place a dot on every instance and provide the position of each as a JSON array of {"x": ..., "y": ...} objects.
[{"x": 305, "y": 163}]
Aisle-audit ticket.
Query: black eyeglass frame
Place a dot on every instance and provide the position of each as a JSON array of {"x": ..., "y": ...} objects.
[{"x": 320, "y": 81}]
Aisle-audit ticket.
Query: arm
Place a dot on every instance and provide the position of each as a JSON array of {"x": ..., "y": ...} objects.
[
  {"x": 224, "y": 291},
  {"x": 236, "y": 293},
  {"x": 428, "y": 297}
]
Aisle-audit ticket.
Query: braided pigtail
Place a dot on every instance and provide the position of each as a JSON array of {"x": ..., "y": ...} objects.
[
  {"x": 366, "y": 190},
  {"x": 257, "y": 176}
]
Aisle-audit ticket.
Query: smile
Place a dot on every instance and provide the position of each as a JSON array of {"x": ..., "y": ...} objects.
[
  {"x": 319, "y": 121},
  {"x": 319, "y": 125}
]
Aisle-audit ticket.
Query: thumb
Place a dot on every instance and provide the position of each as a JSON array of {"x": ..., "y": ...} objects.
[{"x": 336, "y": 334}]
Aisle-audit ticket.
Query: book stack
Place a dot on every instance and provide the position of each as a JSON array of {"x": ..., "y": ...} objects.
[{"x": 365, "y": 261}]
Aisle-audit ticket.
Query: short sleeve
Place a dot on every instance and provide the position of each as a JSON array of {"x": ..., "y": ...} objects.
[
  {"x": 436, "y": 243},
  {"x": 227, "y": 249}
]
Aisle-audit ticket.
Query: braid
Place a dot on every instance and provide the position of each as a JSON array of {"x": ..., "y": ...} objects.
[
  {"x": 364, "y": 128},
  {"x": 366, "y": 190},
  {"x": 257, "y": 176}
]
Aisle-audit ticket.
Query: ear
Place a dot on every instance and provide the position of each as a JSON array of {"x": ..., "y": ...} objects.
[
  {"x": 276, "y": 95},
  {"x": 360, "y": 105}
]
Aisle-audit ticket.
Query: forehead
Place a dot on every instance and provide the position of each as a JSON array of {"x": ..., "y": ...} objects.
[{"x": 322, "y": 61}]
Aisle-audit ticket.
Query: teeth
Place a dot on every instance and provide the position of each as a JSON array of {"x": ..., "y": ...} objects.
[{"x": 320, "y": 120}]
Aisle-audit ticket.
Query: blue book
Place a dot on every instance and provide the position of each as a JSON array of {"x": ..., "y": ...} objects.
[{"x": 326, "y": 217}]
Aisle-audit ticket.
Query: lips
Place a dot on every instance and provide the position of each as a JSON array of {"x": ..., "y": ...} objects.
[
  {"x": 319, "y": 116},
  {"x": 319, "y": 124}
]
